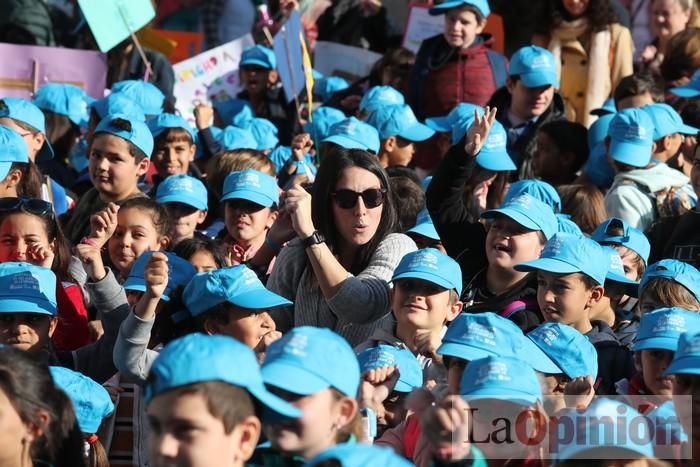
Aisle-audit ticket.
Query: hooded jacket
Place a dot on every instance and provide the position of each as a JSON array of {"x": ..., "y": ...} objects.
[
  {"x": 614, "y": 360},
  {"x": 631, "y": 196}
]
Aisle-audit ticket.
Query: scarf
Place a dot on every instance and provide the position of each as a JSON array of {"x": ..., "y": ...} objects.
[{"x": 598, "y": 87}]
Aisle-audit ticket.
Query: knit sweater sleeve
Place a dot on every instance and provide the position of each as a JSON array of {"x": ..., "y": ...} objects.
[
  {"x": 131, "y": 354},
  {"x": 365, "y": 298}
]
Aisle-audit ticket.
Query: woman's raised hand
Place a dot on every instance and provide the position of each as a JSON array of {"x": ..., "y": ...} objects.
[{"x": 298, "y": 205}]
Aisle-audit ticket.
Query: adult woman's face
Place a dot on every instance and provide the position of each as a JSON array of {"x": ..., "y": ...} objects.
[
  {"x": 575, "y": 8},
  {"x": 668, "y": 17},
  {"x": 356, "y": 225}
]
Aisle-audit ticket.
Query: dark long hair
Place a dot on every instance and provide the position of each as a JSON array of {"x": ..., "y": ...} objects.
[
  {"x": 336, "y": 161},
  {"x": 31, "y": 390},
  {"x": 599, "y": 13}
]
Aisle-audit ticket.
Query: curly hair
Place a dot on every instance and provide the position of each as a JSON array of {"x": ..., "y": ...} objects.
[{"x": 599, "y": 13}]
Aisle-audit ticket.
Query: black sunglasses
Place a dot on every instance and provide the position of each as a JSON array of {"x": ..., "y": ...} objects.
[
  {"x": 30, "y": 205},
  {"x": 372, "y": 198}
]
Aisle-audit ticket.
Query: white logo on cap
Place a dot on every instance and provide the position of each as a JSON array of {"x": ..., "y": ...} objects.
[
  {"x": 635, "y": 132},
  {"x": 495, "y": 371},
  {"x": 424, "y": 260},
  {"x": 670, "y": 323},
  {"x": 547, "y": 335},
  {"x": 522, "y": 200},
  {"x": 24, "y": 281},
  {"x": 553, "y": 247},
  {"x": 182, "y": 183},
  {"x": 479, "y": 332},
  {"x": 496, "y": 140},
  {"x": 296, "y": 345},
  {"x": 541, "y": 61},
  {"x": 349, "y": 127},
  {"x": 249, "y": 277},
  {"x": 249, "y": 179},
  {"x": 692, "y": 346}
]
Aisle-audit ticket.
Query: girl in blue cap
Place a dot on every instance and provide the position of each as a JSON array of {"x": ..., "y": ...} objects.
[{"x": 670, "y": 283}]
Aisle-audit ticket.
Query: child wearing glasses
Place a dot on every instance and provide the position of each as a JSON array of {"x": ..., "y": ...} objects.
[{"x": 337, "y": 272}]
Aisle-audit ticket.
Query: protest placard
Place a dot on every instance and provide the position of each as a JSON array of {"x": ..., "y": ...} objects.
[
  {"x": 25, "y": 68},
  {"x": 351, "y": 63},
  {"x": 209, "y": 76},
  {"x": 287, "y": 46},
  {"x": 112, "y": 21},
  {"x": 420, "y": 26}
]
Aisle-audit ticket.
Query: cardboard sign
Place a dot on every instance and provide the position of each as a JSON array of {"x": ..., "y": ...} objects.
[
  {"x": 112, "y": 21},
  {"x": 351, "y": 63},
  {"x": 188, "y": 44},
  {"x": 25, "y": 68},
  {"x": 420, "y": 26},
  {"x": 210, "y": 76},
  {"x": 287, "y": 46}
]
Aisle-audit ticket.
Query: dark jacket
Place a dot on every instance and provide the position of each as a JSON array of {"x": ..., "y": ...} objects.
[
  {"x": 276, "y": 109},
  {"x": 353, "y": 27},
  {"x": 614, "y": 360},
  {"x": 677, "y": 238},
  {"x": 523, "y": 149},
  {"x": 465, "y": 242}
]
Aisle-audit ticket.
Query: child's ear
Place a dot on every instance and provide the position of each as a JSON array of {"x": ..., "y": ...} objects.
[
  {"x": 637, "y": 359},
  {"x": 455, "y": 310},
  {"x": 272, "y": 76},
  {"x": 142, "y": 166},
  {"x": 510, "y": 85},
  {"x": 389, "y": 144},
  {"x": 480, "y": 27},
  {"x": 193, "y": 150},
  {"x": 347, "y": 410},
  {"x": 597, "y": 294},
  {"x": 164, "y": 242},
  {"x": 53, "y": 322},
  {"x": 654, "y": 147},
  {"x": 202, "y": 216},
  {"x": 246, "y": 436},
  {"x": 211, "y": 327},
  {"x": 272, "y": 218},
  {"x": 13, "y": 178}
]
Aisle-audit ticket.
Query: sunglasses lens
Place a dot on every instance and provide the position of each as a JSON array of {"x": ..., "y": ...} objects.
[
  {"x": 10, "y": 204},
  {"x": 373, "y": 198},
  {"x": 38, "y": 206},
  {"x": 345, "y": 199}
]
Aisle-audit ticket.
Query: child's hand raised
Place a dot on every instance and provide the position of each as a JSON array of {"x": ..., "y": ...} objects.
[
  {"x": 427, "y": 343},
  {"x": 156, "y": 275},
  {"x": 446, "y": 426},
  {"x": 90, "y": 254},
  {"x": 40, "y": 255},
  {"x": 203, "y": 116},
  {"x": 579, "y": 392},
  {"x": 301, "y": 145},
  {"x": 479, "y": 131},
  {"x": 376, "y": 386},
  {"x": 103, "y": 224}
]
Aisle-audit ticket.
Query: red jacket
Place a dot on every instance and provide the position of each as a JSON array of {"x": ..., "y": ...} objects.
[
  {"x": 72, "y": 331},
  {"x": 444, "y": 76}
]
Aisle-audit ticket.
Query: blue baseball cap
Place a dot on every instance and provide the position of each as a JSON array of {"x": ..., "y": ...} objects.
[
  {"x": 430, "y": 265},
  {"x": 631, "y": 238},
  {"x": 378, "y": 96},
  {"x": 359, "y": 455},
  {"x": 322, "y": 119},
  {"x": 597, "y": 167},
  {"x": 461, "y": 111},
  {"x": 502, "y": 378},
  {"x": 351, "y": 133},
  {"x": 25, "y": 288},
  {"x": 13, "y": 148},
  {"x": 229, "y": 108},
  {"x": 529, "y": 212},
  {"x": 631, "y": 137},
  {"x": 162, "y": 122},
  {"x": 237, "y": 285},
  {"x": 662, "y": 328},
  {"x": 147, "y": 95},
  {"x": 398, "y": 120},
  {"x": 686, "y": 360},
  {"x": 264, "y": 132},
  {"x": 566, "y": 225},
  {"x": 182, "y": 189},
  {"x": 442, "y": 8},
  {"x": 140, "y": 136},
  {"x": 493, "y": 155},
  {"x": 608, "y": 108},
  {"x": 63, "y": 99},
  {"x": 616, "y": 273},
  {"x": 28, "y": 113},
  {"x": 410, "y": 372},
  {"x": 243, "y": 118},
  {"x": 329, "y": 85},
  {"x": 307, "y": 360},
  {"x": 690, "y": 89},
  {"x": 252, "y": 185},
  {"x": 198, "y": 358},
  {"x": 568, "y": 254},
  {"x": 424, "y": 226},
  {"x": 599, "y": 435},
  {"x": 91, "y": 401},
  {"x": 233, "y": 137},
  {"x": 535, "y": 66},
  {"x": 258, "y": 55},
  {"x": 667, "y": 121},
  {"x": 118, "y": 103},
  {"x": 674, "y": 270},
  {"x": 536, "y": 188},
  {"x": 472, "y": 336},
  {"x": 180, "y": 271},
  {"x": 571, "y": 352}
]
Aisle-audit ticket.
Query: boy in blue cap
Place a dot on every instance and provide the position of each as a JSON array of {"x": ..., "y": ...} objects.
[
  {"x": 669, "y": 131},
  {"x": 173, "y": 145},
  {"x": 211, "y": 386},
  {"x": 571, "y": 272},
  {"x": 185, "y": 201},
  {"x": 638, "y": 184},
  {"x": 398, "y": 129},
  {"x": 119, "y": 156},
  {"x": 670, "y": 283},
  {"x": 528, "y": 100},
  {"x": 251, "y": 200},
  {"x": 685, "y": 369},
  {"x": 424, "y": 233}
]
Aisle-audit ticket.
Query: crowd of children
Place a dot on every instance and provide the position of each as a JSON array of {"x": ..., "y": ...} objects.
[{"x": 477, "y": 261}]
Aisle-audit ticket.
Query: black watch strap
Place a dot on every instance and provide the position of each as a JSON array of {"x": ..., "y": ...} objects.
[{"x": 315, "y": 238}]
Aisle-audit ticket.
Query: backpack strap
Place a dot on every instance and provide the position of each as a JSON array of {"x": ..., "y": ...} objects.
[{"x": 498, "y": 68}]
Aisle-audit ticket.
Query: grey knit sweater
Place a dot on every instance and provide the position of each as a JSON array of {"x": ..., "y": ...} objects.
[{"x": 361, "y": 303}]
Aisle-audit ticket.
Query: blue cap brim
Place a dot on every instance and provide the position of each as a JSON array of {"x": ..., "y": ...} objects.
[
  {"x": 552, "y": 265},
  {"x": 30, "y": 305},
  {"x": 195, "y": 203},
  {"x": 538, "y": 358},
  {"x": 260, "y": 299},
  {"x": 417, "y": 132},
  {"x": 665, "y": 343},
  {"x": 496, "y": 161},
  {"x": 441, "y": 124},
  {"x": 138, "y": 285},
  {"x": 517, "y": 216},
  {"x": 538, "y": 79},
  {"x": 683, "y": 91},
  {"x": 426, "y": 229},
  {"x": 274, "y": 403},
  {"x": 255, "y": 62},
  {"x": 688, "y": 130},
  {"x": 252, "y": 196},
  {"x": 631, "y": 287},
  {"x": 689, "y": 365},
  {"x": 426, "y": 276},
  {"x": 636, "y": 155},
  {"x": 348, "y": 143},
  {"x": 442, "y": 8},
  {"x": 292, "y": 378}
]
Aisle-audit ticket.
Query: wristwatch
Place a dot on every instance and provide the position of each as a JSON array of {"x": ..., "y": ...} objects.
[{"x": 315, "y": 238}]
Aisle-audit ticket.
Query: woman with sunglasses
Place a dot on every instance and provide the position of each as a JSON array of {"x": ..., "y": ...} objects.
[
  {"x": 29, "y": 233},
  {"x": 337, "y": 272}
]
